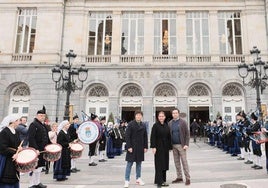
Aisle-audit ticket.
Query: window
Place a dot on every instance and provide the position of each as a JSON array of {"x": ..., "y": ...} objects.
[
  {"x": 100, "y": 33},
  {"x": 197, "y": 33},
  {"x": 165, "y": 33},
  {"x": 26, "y": 30},
  {"x": 230, "y": 35},
  {"x": 132, "y": 39}
]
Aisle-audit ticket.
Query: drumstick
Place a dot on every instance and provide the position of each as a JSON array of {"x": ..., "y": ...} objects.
[{"x": 18, "y": 148}]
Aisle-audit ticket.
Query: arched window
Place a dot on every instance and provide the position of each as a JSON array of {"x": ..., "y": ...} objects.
[
  {"x": 165, "y": 90},
  {"x": 98, "y": 91},
  {"x": 131, "y": 91},
  {"x": 20, "y": 100},
  {"x": 198, "y": 90},
  {"x": 232, "y": 89}
]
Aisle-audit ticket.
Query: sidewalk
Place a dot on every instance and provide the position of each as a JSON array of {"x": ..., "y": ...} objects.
[{"x": 209, "y": 168}]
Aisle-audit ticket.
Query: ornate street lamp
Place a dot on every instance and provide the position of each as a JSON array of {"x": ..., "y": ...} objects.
[
  {"x": 257, "y": 72},
  {"x": 69, "y": 79}
]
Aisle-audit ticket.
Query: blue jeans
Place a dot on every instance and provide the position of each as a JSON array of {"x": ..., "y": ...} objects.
[{"x": 128, "y": 170}]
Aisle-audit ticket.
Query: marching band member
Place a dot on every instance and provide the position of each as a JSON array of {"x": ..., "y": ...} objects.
[
  {"x": 92, "y": 146},
  {"x": 38, "y": 139},
  {"x": 102, "y": 140},
  {"x": 73, "y": 134},
  {"x": 110, "y": 147},
  {"x": 255, "y": 127},
  {"x": 9, "y": 176},
  {"x": 62, "y": 167}
]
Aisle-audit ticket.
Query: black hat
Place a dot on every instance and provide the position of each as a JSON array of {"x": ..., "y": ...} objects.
[
  {"x": 220, "y": 118},
  {"x": 253, "y": 116},
  {"x": 43, "y": 111},
  {"x": 102, "y": 118},
  {"x": 93, "y": 116},
  {"x": 75, "y": 117},
  {"x": 242, "y": 114}
]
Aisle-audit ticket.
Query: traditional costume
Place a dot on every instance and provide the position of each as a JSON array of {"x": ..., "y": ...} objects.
[
  {"x": 92, "y": 146},
  {"x": 102, "y": 141},
  {"x": 9, "y": 176}
]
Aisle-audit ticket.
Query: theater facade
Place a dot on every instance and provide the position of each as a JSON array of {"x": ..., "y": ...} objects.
[{"x": 147, "y": 55}]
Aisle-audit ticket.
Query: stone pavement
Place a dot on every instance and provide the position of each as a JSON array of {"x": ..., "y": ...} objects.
[{"x": 209, "y": 168}]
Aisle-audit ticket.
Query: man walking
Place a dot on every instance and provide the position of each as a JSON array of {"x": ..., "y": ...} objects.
[
  {"x": 180, "y": 137},
  {"x": 137, "y": 145}
]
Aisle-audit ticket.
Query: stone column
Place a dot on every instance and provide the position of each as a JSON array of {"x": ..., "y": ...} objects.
[
  {"x": 214, "y": 35},
  {"x": 181, "y": 36},
  {"x": 116, "y": 37},
  {"x": 148, "y": 36}
]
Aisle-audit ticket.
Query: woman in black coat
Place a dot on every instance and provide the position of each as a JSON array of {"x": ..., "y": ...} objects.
[
  {"x": 161, "y": 144},
  {"x": 9, "y": 142},
  {"x": 62, "y": 167}
]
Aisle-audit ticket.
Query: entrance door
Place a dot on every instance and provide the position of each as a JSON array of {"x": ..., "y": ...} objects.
[
  {"x": 128, "y": 113},
  {"x": 201, "y": 112},
  {"x": 167, "y": 111}
]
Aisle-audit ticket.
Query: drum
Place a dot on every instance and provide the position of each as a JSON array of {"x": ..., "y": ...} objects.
[
  {"x": 27, "y": 160},
  {"x": 52, "y": 152},
  {"x": 76, "y": 150},
  {"x": 260, "y": 137},
  {"x": 88, "y": 132}
]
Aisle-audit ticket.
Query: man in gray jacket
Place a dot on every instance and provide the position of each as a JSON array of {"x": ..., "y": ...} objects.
[{"x": 180, "y": 137}]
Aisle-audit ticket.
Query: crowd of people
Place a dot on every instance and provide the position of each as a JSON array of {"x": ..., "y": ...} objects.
[
  {"x": 114, "y": 139},
  {"x": 241, "y": 139}
]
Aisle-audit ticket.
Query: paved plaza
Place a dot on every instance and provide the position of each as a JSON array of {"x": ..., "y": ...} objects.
[{"x": 209, "y": 167}]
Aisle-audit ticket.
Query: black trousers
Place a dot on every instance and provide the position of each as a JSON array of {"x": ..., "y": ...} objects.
[{"x": 160, "y": 176}]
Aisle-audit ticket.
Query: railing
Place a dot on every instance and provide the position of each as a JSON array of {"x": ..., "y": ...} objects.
[
  {"x": 21, "y": 57},
  {"x": 165, "y": 58},
  {"x": 198, "y": 58},
  {"x": 98, "y": 59},
  {"x": 232, "y": 58},
  {"x": 131, "y": 58}
]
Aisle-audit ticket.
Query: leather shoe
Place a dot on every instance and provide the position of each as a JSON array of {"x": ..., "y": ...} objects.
[
  {"x": 188, "y": 182},
  {"x": 248, "y": 162},
  {"x": 40, "y": 185},
  {"x": 254, "y": 166},
  {"x": 92, "y": 164},
  {"x": 77, "y": 170},
  {"x": 240, "y": 158},
  {"x": 258, "y": 167},
  {"x": 73, "y": 170},
  {"x": 177, "y": 180},
  {"x": 34, "y": 186}
]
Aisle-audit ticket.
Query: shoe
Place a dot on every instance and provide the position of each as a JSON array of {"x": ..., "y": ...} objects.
[
  {"x": 188, "y": 182},
  {"x": 164, "y": 184},
  {"x": 254, "y": 166},
  {"x": 61, "y": 179},
  {"x": 234, "y": 155},
  {"x": 126, "y": 184},
  {"x": 92, "y": 164},
  {"x": 77, "y": 170},
  {"x": 241, "y": 158},
  {"x": 258, "y": 167},
  {"x": 102, "y": 160},
  {"x": 73, "y": 170},
  {"x": 177, "y": 180},
  {"x": 40, "y": 185},
  {"x": 34, "y": 186},
  {"x": 46, "y": 172},
  {"x": 248, "y": 162},
  {"x": 140, "y": 182}
]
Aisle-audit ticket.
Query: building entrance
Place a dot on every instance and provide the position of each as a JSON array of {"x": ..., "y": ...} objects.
[
  {"x": 199, "y": 112},
  {"x": 128, "y": 113}
]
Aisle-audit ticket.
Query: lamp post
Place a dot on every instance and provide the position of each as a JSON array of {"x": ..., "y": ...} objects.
[
  {"x": 69, "y": 79},
  {"x": 257, "y": 72}
]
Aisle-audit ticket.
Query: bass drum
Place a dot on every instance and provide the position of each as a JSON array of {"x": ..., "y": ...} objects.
[{"x": 88, "y": 132}]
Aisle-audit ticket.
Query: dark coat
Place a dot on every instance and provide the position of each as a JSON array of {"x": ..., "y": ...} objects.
[
  {"x": 64, "y": 139},
  {"x": 117, "y": 138},
  {"x": 184, "y": 132},
  {"x": 102, "y": 141},
  {"x": 38, "y": 139},
  {"x": 72, "y": 131},
  {"x": 137, "y": 139},
  {"x": 161, "y": 140},
  {"x": 22, "y": 130},
  {"x": 8, "y": 139}
]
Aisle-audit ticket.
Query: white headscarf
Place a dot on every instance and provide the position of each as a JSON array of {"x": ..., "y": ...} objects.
[
  {"x": 62, "y": 124},
  {"x": 7, "y": 120}
]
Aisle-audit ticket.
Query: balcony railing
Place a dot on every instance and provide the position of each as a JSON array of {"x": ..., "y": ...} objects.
[
  {"x": 132, "y": 59},
  {"x": 21, "y": 57},
  {"x": 198, "y": 58},
  {"x": 232, "y": 58},
  {"x": 98, "y": 59},
  {"x": 165, "y": 58}
]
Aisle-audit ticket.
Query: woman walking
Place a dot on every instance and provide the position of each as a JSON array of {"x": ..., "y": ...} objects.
[{"x": 161, "y": 144}]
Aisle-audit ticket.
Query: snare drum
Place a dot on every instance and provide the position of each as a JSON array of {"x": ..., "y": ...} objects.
[
  {"x": 88, "y": 132},
  {"x": 76, "y": 150},
  {"x": 52, "y": 152},
  {"x": 27, "y": 160},
  {"x": 260, "y": 137}
]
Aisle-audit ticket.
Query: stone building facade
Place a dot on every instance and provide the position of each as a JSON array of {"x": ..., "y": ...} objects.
[{"x": 149, "y": 55}]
